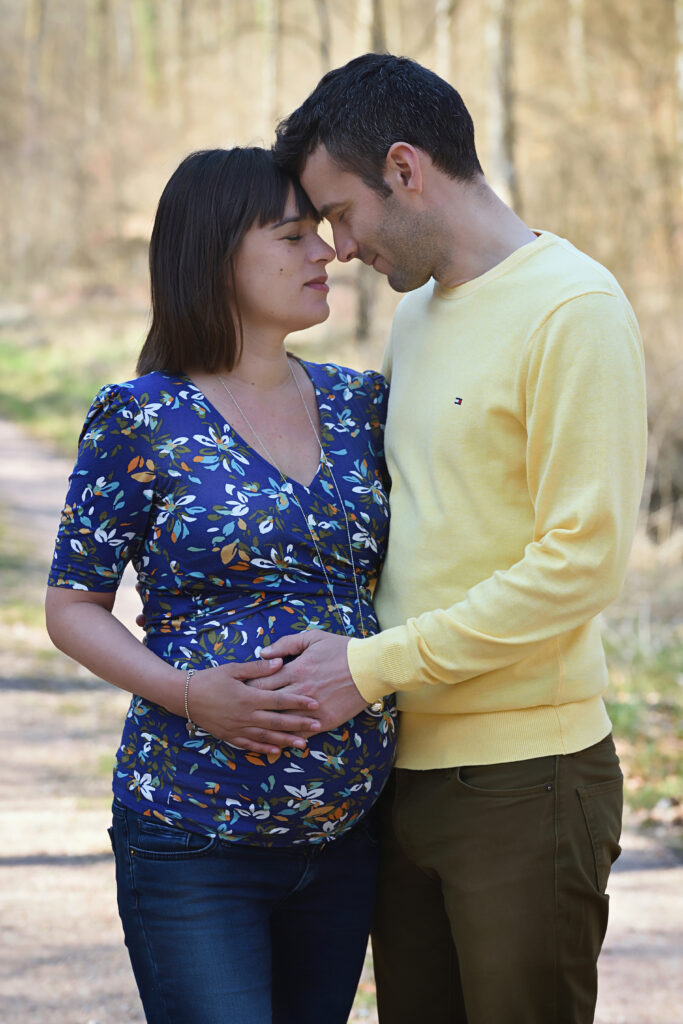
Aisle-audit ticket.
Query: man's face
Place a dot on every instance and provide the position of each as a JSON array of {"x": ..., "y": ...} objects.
[{"x": 385, "y": 233}]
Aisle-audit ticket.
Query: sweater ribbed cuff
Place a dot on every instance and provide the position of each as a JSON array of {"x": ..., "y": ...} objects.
[{"x": 380, "y": 665}]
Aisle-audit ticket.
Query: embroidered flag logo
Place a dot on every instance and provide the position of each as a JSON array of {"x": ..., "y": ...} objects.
[{"x": 457, "y": 401}]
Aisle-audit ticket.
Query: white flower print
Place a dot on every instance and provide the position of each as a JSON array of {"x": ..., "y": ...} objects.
[
  {"x": 305, "y": 797},
  {"x": 170, "y": 446},
  {"x": 144, "y": 784}
]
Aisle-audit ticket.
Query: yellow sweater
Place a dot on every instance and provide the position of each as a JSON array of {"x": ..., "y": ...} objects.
[{"x": 515, "y": 440}]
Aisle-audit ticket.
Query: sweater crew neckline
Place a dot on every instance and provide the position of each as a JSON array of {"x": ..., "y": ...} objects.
[{"x": 524, "y": 252}]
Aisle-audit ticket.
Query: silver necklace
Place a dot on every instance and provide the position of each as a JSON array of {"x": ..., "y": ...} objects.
[{"x": 312, "y": 531}]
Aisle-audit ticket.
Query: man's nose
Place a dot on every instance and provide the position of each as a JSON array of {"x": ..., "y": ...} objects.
[{"x": 346, "y": 247}]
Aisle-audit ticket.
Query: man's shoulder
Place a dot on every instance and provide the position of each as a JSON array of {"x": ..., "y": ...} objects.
[{"x": 560, "y": 271}]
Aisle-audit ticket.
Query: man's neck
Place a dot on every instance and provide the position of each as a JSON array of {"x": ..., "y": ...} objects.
[{"x": 483, "y": 231}]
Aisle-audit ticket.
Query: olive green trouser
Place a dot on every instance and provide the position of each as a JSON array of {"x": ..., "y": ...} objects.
[{"x": 491, "y": 905}]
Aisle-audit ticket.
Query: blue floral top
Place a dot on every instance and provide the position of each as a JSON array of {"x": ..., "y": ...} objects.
[{"x": 226, "y": 565}]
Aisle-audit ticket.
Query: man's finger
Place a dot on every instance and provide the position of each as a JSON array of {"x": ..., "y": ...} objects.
[
  {"x": 272, "y": 681},
  {"x": 277, "y": 694},
  {"x": 288, "y": 646}
]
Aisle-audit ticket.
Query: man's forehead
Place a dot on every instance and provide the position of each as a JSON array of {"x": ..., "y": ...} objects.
[
  {"x": 328, "y": 184},
  {"x": 320, "y": 168}
]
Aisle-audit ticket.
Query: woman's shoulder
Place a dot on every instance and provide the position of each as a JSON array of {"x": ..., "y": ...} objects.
[
  {"x": 347, "y": 382},
  {"x": 150, "y": 386},
  {"x": 141, "y": 402},
  {"x": 152, "y": 392}
]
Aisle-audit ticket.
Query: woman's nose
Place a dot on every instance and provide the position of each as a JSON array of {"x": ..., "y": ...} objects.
[{"x": 325, "y": 252}]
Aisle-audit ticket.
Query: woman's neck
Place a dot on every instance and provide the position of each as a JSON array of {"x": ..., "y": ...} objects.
[
  {"x": 266, "y": 370},
  {"x": 263, "y": 364}
]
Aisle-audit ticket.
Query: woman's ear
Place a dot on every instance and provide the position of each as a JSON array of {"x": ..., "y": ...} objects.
[{"x": 403, "y": 167}]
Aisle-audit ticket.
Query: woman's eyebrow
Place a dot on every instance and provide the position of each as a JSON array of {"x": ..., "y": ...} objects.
[{"x": 287, "y": 220}]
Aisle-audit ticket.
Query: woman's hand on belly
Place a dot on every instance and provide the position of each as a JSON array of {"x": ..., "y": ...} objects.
[{"x": 222, "y": 704}]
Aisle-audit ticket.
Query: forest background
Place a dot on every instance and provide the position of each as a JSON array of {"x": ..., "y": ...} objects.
[
  {"x": 578, "y": 106},
  {"x": 579, "y": 112}
]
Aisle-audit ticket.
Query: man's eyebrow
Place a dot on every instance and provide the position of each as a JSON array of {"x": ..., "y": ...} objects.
[
  {"x": 287, "y": 220},
  {"x": 329, "y": 208}
]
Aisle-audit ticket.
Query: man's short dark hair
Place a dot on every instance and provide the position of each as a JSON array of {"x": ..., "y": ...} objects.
[{"x": 360, "y": 110}]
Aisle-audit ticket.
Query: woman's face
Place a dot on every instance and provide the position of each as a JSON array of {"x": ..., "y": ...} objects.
[{"x": 280, "y": 278}]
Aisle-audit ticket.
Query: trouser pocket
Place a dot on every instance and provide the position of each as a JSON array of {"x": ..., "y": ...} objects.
[{"x": 602, "y": 805}]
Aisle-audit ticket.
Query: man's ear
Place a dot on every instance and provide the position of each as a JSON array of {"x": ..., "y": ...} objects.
[{"x": 403, "y": 168}]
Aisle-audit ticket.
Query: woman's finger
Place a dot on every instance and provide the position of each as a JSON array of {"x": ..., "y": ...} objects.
[
  {"x": 286, "y": 724},
  {"x": 254, "y": 669},
  {"x": 254, "y": 746}
]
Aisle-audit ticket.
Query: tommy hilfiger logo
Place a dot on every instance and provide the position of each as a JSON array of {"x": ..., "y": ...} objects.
[{"x": 457, "y": 401}]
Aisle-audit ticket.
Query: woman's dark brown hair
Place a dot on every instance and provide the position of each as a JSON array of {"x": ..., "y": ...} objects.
[{"x": 208, "y": 205}]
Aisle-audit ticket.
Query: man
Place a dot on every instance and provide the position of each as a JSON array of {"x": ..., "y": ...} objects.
[{"x": 515, "y": 441}]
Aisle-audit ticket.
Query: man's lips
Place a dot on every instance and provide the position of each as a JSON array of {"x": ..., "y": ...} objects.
[
  {"x": 373, "y": 263},
  {"x": 319, "y": 284}
]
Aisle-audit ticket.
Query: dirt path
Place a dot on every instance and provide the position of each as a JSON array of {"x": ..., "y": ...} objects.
[{"x": 62, "y": 959}]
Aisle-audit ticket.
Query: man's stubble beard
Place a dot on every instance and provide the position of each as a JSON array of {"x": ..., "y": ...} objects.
[{"x": 411, "y": 245}]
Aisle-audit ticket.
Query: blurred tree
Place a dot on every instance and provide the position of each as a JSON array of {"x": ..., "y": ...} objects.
[
  {"x": 366, "y": 280},
  {"x": 502, "y": 170},
  {"x": 443, "y": 26},
  {"x": 323, "y": 12}
]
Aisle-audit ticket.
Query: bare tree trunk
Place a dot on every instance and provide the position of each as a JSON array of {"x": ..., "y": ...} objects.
[
  {"x": 679, "y": 84},
  {"x": 379, "y": 36},
  {"x": 104, "y": 62},
  {"x": 443, "y": 21},
  {"x": 577, "y": 49},
  {"x": 123, "y": 29},
  {"x": 182, "y": 46},
  {"x": 272, "y": 23},
  {"x": 363, "y": 32},
  {"x": 325, "y": 34},
  {"x": 34, "y": 42},
  {"x": 499, "y": 44},
  {"x": 370, "y": 35},
  {"x": 148, "y": 33}
]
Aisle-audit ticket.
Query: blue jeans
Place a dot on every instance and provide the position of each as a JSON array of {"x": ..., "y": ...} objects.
[{"x": 224, "y": 933}]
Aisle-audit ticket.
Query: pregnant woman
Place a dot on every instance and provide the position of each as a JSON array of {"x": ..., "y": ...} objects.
[{"x": 247, "y": 488}]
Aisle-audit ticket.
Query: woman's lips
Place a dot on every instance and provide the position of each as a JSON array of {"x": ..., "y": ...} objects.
[{"x": 319, "y": 284}]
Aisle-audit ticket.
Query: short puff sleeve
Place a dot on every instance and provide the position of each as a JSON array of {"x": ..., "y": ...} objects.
[{"x": 111, "y": 493}]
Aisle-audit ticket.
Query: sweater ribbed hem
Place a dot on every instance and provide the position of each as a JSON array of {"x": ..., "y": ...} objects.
[{"x": 448, "y": 741}]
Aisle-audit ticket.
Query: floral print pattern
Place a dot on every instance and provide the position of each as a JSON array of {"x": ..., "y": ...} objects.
[{"x": 226, "y": 565}]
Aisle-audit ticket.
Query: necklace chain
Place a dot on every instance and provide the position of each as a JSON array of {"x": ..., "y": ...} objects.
[{"x": 312, "y": 531}]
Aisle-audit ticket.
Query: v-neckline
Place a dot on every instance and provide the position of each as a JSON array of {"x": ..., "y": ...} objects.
[{"x": 241, "y": 440}]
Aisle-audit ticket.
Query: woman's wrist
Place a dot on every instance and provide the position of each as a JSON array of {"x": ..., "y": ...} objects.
[{"x": 166, "y": 687}]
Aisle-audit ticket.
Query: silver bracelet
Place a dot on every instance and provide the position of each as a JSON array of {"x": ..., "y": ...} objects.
[{"x": 189, "y": 724}]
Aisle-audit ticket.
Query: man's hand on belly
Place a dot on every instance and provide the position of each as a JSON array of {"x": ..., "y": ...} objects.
[{"x": 320, "y": 669}]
